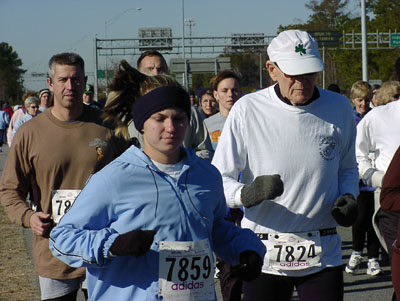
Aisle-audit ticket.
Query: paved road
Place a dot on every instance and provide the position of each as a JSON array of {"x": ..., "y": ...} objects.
[
  {"x": 359, "y": 287},
  {"x": 362, "y": 286}
]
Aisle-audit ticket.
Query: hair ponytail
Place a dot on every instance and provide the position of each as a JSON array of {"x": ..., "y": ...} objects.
[
  {"x": 124, "y": 90},
  {"x": 128, "y": 85}
]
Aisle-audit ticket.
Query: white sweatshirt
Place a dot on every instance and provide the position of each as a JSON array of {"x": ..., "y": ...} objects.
[
  {"x": 379, "y": 132},
  {"x": 311, "y": 147}
]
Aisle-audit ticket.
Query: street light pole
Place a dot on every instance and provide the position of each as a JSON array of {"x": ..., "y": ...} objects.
[
  {"x": 364, "y": 46},
  {"x": 106, "y": 60},
  {"x": 116, "y": 17},
  {"x": 106, "y": 24},
  {"x": 183, "y": 45},
  {"x": 190, "y": 22}
]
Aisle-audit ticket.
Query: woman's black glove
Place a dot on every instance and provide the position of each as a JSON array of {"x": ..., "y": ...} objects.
[
  {"x": 250, "y": 266},
  {"x": 265, "y": 187},
  {"x": 135, "y": 242},
  {"x": 345, "y": 210}
]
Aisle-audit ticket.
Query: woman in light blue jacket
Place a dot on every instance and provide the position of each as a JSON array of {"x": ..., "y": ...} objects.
[{"x": 146, "y": 225}]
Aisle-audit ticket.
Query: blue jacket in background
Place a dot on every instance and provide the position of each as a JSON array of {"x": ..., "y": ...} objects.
[
  {"x": 4, "y": 120},
  {"x": 131, "y": 193}
]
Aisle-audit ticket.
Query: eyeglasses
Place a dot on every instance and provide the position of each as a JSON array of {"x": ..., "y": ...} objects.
[{"x": 34, "y": 107}]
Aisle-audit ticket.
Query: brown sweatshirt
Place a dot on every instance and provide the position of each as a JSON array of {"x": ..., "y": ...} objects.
[{"x": 48, "y": 154}]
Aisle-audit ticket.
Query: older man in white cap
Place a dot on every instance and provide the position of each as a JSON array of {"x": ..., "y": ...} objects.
[{"x": 294, "y": 144}]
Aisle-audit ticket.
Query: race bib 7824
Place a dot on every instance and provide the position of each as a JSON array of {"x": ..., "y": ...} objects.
[{"x": 294, "y": 251}]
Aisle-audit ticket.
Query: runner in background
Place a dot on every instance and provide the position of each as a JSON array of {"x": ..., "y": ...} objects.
[
  {"x": 4, "y": 122},
  {"x": 373, "y": 102},
  {"x": 88, "y": 98},
  {"x": 207, "y": 104},
  {"x": 362, "y": 229},
  {"x": 379, "y": 133},
  {"x": 8, "y": 109},
  {"x": 226, "y": 90},
  {"x": 19, "y": 110},
  {"x": 44, "y": 96},
  {"x": 32, "y": 109},
  {"x": 153, "y": 63}
]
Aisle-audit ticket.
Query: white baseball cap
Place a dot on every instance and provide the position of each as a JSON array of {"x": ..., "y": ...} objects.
[{"x": 295, "y": 53}]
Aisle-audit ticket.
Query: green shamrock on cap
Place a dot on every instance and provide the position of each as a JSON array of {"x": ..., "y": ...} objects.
[{"x": 300, "y": 48}]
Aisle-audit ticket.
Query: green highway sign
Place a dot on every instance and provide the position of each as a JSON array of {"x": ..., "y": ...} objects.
[
  {"x": 395, "y": 40},
  {"x": 102, "y": 73},
  {"x": 327, "y": 38},
  {"x": 375, "y": 82}
]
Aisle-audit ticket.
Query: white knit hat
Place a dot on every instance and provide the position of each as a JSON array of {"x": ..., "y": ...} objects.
[{"x": 295, "y": 52}]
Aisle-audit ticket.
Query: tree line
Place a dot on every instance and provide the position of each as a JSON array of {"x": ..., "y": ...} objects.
[
  {"x": 342, "y": 66},
  {"x": 11, "y": 74}
]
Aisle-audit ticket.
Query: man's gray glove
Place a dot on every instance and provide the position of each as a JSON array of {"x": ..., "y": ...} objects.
[
  {"x": 263, "y": 188},
  {"x": 345, "y": 210}
]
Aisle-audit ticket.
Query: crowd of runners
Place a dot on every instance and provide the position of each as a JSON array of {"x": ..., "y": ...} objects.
[{"x": 153, "y": 191}]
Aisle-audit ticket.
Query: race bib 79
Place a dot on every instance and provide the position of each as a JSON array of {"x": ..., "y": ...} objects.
[{"x": 62, "y": 201}]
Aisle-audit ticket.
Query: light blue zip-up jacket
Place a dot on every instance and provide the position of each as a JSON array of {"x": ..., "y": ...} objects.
[{"x": 131, "y": 193}]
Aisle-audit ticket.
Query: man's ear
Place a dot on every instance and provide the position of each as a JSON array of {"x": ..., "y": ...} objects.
[
  {"x": 271, "y": 70},
  {"x": 50, "y": 83}
]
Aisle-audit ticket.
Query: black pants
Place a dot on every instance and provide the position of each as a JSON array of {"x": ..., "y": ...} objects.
[
  {"x": 387, "y": 223},
  {"x": 326, "y": 285},
  {"x": 362, "y": 229},
  {"x": 2, "y": 134},
  {"x": 231, "y": 285}
]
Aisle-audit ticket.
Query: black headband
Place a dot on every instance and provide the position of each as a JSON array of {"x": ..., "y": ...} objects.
[{"x": 157, "y": 100}]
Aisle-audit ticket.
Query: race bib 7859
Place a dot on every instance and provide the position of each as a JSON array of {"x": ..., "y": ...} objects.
[{"x": 186, "y": 271}]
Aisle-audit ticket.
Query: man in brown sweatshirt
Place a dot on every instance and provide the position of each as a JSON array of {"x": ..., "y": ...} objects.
[{"x": 51, "y": 158}]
